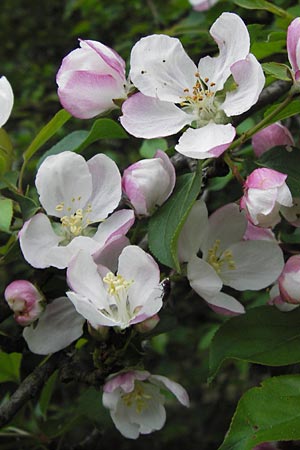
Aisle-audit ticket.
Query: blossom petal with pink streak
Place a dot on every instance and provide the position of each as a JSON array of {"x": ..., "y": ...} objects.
[
  {"x": 293, "y": 43},
  {"x": 271, "y": 136},
  {"x": 225, "y": 304},
  {"x": 202, "y": 5},
  {"x": 149, "y": 117},
  {"x": 209, "y": 141},
  {"x": 250, "y": 80}
]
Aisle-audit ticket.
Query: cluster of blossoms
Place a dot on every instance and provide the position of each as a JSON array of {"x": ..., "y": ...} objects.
[{"x": 84, "y": 228}]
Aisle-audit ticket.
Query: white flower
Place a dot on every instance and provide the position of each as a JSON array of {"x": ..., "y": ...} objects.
[
  {"x": 136, "y": 403},
  {"x": 103, "y": 298},
  {"x": 174, "y": 92},
  {"x": 78, "y": 193},
  {"x": 6, "y": 100}
]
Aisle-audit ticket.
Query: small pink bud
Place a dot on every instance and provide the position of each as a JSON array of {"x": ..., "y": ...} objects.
[
  {"x": 148, "y": 324},
  {"x": 25, "y": 300},
  {"x": 100, "y": 333},
  {"x": 271, "y": 136},
  {"x": 289, "y": 280}
]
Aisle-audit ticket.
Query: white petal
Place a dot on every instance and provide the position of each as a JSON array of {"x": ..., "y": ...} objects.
[
  {"x": 176, "y": 389},
  {"x": 58, "y": 327},
  {"x": 258, "y": 264},
  {"x": 232, "y": 37},
  {"x": 121, "y": 419},
  {"x": 203, "y": 278},
  {"x": 193, "y": 231},
  {"x": 37, "y": 238},
  {"x": 117, "y": 224},
  {"x": 160, "y": 68},
  {"x": 63, "y": 178},
  {"x": 250, "y": 80},
  {"x": 109, "y": 254},
  {"x": 209, "y": 141},
  {"x": 284, "y": 196},
  {"x": 6, "y": 100},
  {"x": 60, "y": 256},
  {"x": 225, "y": 304},
  {"x": 106, "y": 187},
  {"x": 149, "y": 118},
  {"x": 153, "y": 416}
]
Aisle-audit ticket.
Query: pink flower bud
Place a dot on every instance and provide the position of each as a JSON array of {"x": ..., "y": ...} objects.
[
  {"x": 100, "y": 333},
  {"x": 90, "y": 78},
  {"x": 202, "y": 5},
  {"x": 148, "y": 324},
  {"x": 25, "y": 300},
  {"x": 265, "y": 191},
  {"x": 271, "y": 136},
  {"x": 149, "y": 182},
  {"x": 289, "y": 280}
]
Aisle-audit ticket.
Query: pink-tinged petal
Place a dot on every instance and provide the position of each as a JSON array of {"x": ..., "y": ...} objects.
[
  {"x": 125, "y": 381},
  {"x": 292, "y": 214},
  {"x": 87, "y": 282},
  {"x": 225, "y": 304},
  {"x": 203, "y": 278},
  {"x": 58, "y": 327},
  {"x": 147, "y": 306},
  {"x": 109, "y": 254},
  {"x": 63, "y": 179},
  {"x": 109, "y": 56},
  {"x": 257, "y": 265},
  {"x": 176, "y": 389},
  {"x": 169, "y": 168},
  {"x": 37, "y": 238},
  {"x": 149, "y": 118},
  {"x": 203, "y": 5},
  {"x": 6, "y": 100},
  {"x": 132, "y": 191},
  {"x": 293, "y": 39},
  {"x": 232, "y": 37},
  {"x": 160, "y": 68},
  {"x": 87, "y": 94},
  {"x": 250, "y": 80},
  {"x": 271, "y": 136},
  {"x": 193, "y": 232},
  {"x": 117, "y": 224},
  {"x": 254, "y": 233},
  {"x": 289, "y": 281},
  {"x": 265, "y": 178},
  {"x": 284, "y": 196},
  {"x": 106, "y": 187},
  {"x": 226, "y": 225},
  {"x": 209, "y": 141},
  {"x": 60, "y": 256}
]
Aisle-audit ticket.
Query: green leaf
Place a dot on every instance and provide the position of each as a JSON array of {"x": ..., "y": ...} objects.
[
  {"x": 285, "y": 161},
  {"x": 6, "y": 149},
  {"x": 46, "y": 395},
  {"x": 165, "y": 225},
  {"x": 27, "y": 205},
  {"x": 79, "y": 140},
  {"x": 290, "y": 110},
  {"x": 277, "y": 70},
  {"x": 46, "y": 133},
  {"x": 263, "y": 335},
  {"x": 150, "y": 146},
  {"x": 264, "y": 5},
  {"x": 10, "y": 367},
  {"x": 6, "y": 213},
  {"x": 265, "y": 414}
]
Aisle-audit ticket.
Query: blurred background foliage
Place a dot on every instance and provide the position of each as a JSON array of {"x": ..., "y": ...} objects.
[{"x": 35, "y": 36}]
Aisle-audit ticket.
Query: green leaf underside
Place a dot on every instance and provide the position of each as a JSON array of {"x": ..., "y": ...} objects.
[
  {"x": 264, "y": 335},
  {"x": 6, "y": 213},
  {"x": 10, "y": 367},
  {"x": 165, "y": 225},
  {"x": 277, "y": 70},
  {"x": 284, "y": 161},
  {"x": 265, "y": 414}
]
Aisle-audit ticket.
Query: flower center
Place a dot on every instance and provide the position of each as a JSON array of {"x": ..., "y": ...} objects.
[
  {"x": 116, "y": 284},
  {"x": 138, "y": 397},
  {"x": 218, "y": 260},
  {"x": 120, "y": 308},
  {"x": 73, "y": 224}
]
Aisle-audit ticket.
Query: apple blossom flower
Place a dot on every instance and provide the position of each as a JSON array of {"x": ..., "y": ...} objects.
[
  {"x": 265, "y": 191},
  {"x": 90, "y": 79},
  {"x": 289, "y": 280},
  {"x": 136, "y": 403},
  {"x": 271, "y": 136},
  {"x": 277, "y": 300},
  {"x": 103, "y": 298},
  {"x": 6, "y": 100},
  {"x": 78, "y": 193},
  {"x": 229, "y": 260},
  {"x": 202, "y": 5},
  {"x": 58, "y": 326},
  {"x": 293, "y": 39},
  {"x": 25, "y": 300},
  {"x": 174, "y": 92},
  {"x": 149, "y": 182}
]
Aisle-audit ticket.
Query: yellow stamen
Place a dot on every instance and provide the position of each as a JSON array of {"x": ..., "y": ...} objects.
[{"x": 217, "y": 259}]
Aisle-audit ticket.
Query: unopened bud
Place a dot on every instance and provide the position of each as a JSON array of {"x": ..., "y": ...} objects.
[
  {"x": 289, "y": 280},
  {"x": 100, "y": 333},
  {"x": 147, "y": 325},
  {"x": 25, "y": 300}
]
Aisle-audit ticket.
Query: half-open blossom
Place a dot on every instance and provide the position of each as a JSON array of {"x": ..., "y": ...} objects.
[
  {"x": 136, "y": 403},
  {"x": 229, "y": 260},
  {"x": 277, "y": 300},
  {"x": 103, "y": 298},
  {"x": 265, "y": 190},
  {"x": 174, "y": 92},
  {"x": 6, "y": 100},
  {"x": 78, "y": 194},
  {"x": 58, "y": 326},
  {"x": 202, "y": 5},
  {"x": 25, "y": 300},
  {"x": 293, "y": 46},
  {"x": 149, "y": 182},
  {"x": 271, "y": 136},
  {"x": 289, "y": 280},
  {"x": 90, "y": 79}
]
